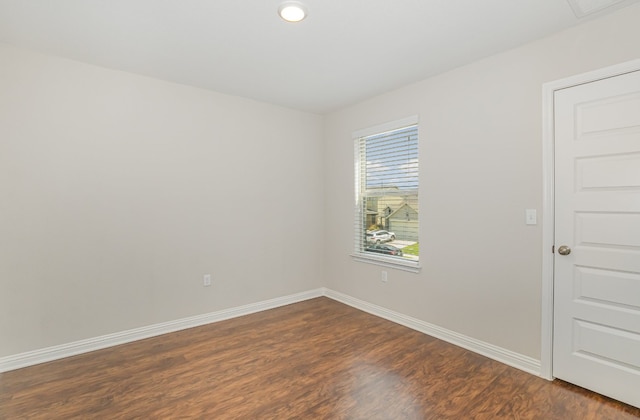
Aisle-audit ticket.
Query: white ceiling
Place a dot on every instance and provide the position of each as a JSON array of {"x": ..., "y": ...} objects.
[{"x": 345, "y": 51}]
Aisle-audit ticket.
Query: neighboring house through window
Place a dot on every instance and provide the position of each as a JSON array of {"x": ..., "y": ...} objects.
[{"x": 386, "y": 186}]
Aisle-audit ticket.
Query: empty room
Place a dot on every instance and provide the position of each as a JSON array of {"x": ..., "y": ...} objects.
[{"x": 319, "y": 209}]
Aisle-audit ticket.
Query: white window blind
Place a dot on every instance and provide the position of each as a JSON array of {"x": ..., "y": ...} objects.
[{"x": 387, "y": 206}]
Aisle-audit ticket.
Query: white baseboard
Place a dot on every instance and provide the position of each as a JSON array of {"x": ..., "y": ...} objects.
[
  {"x": 499, "y": 354},
  {"x": 48, "y": 354},
  {"x": 84, "y": 346}
]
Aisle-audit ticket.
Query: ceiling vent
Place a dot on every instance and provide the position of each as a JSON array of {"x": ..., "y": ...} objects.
[{"x": 583, "y": 8}]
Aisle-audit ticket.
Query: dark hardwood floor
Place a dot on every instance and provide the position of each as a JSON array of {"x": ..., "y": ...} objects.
[{"x": 317, "y": 359}]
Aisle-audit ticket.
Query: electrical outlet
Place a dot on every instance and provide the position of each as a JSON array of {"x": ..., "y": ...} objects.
[
  {"x": 206, "y": 281},
  {"x": 383, "y": 277}
]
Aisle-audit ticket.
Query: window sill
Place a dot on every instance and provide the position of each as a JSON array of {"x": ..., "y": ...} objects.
[{"x": 405, "y": 265}]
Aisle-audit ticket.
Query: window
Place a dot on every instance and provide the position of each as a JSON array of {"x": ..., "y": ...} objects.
[{"x": 387, "y": 207}]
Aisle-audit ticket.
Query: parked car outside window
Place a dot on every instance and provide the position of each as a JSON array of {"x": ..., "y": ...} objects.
[
  {"x": 384, "y": 249},
  {"x": 378, "y": 236}
]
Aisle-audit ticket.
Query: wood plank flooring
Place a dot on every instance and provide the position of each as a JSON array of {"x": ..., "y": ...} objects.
[{"x": 318, "y": 359}]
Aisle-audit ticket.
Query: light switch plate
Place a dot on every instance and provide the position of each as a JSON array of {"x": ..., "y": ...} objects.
[{"x": 531, "y": 217}]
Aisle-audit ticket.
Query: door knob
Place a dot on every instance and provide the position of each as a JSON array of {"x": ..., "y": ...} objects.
[{"x": 564, "y": 250}]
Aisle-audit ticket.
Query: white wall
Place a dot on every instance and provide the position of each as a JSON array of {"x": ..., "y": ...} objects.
[
  {"x": 118, "y": 192},
  {"x": 481, "y": 167}
]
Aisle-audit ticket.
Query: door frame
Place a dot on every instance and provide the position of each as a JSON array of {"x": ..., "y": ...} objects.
[{"x": 548, "y": 200}]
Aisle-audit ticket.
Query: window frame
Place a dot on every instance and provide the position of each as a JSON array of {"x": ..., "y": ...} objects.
[{"x": 359, "y": 254}]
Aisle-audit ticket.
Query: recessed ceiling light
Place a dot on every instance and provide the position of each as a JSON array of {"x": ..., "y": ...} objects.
[{"x": 292, "y": 11}]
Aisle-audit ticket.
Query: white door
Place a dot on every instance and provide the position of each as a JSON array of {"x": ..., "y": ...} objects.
[{"x": 596, "y": 338}]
